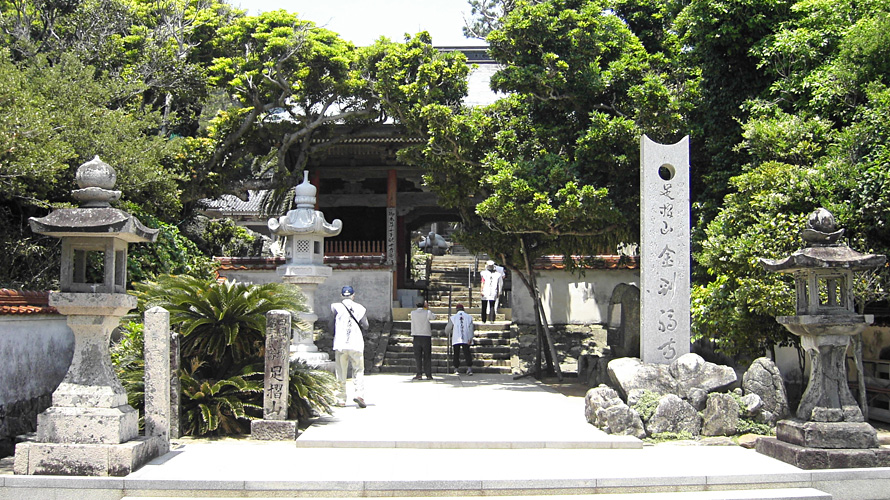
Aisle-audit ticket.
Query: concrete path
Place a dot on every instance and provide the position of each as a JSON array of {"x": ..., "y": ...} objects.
[
  {"x": 451, "y": 411},
  {"x": 458, "y": 436}
]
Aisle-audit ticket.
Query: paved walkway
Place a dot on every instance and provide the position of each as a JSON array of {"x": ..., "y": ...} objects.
[
  {"x": 455, "y": 436},
  {"x": 459, "y": 429}
]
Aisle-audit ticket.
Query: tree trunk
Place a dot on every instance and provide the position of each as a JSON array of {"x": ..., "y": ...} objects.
[{"x": 541, "y": 318}]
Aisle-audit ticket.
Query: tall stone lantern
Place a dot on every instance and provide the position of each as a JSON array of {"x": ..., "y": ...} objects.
[
  {"x": 829, "y": 430},
  {"x": 90, "y": 429},
  {"x": 305, "y": 229}
]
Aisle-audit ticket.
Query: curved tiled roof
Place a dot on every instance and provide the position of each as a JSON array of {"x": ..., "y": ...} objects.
[
  {"x": 25, "y": 302},
  {"x": 557, "y": 262},
  {"x": 271, "y": 263}
]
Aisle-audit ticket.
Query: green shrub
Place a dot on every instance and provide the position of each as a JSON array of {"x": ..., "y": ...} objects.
[
  {"x": 647, "y": 404},
  {"x": 311, "y": 392},
  {"x": 661, "y": 437},
  {"x": 222, "y": 325}
]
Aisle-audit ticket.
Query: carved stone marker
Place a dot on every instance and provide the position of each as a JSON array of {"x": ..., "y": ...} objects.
[
  {"x": 275, "y": 426},
  {"x": 664, "y": 250},
  {"x": 157, "y": 373}
]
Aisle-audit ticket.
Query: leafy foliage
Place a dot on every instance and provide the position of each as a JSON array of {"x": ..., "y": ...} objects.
[
  {"x": 128, "y": 359},
  {"x": 647, "y": 404},
  {"x": 312, "y": 392},
  {"x": 220, "y": 407},
  {"x": 222, "y": 325},
  {"x": 221, "y": 322}
]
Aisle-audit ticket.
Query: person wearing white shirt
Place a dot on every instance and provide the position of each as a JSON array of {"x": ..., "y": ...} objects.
[
  {"x": 492, "y": 284},
  {"x": 349, "y": 318},
  {"x": 422, "y": 335},
  {"x": 460, "y": 327}
]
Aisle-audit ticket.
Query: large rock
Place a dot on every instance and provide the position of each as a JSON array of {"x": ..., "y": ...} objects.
[
  {"x": 630, "y": 373},
  {"x": 721, "y": 416},
  {"x": 674, "y": 415},
  {"x": 692, "y": 371},
  {"x": 622, "y": 420},
  {"x": 599, "y": 398},
  {"x": 763, "y": 378}
]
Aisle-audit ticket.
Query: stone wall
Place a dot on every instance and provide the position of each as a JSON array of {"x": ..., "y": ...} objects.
[
  {"x": 572, "y": 342},
  {"x": 570, "y": 299},
  {"x": 35, "y": 352},
  {"x": 377, "y": 331}
]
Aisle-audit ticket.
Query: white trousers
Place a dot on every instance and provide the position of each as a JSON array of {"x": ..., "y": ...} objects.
[{"x": 342, "y": 361}]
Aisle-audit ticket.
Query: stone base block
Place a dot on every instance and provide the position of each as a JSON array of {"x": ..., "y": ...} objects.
[
  {"x": 274, "y": 430},
  {"x": 821, "y": 458},
  {"x": 829, "y": 435},
  {"x": 65, "y": 459},
  {"x": 64, "y": 424}
]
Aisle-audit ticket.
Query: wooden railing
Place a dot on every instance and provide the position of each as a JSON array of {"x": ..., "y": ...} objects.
[{"x": 354, "y": 247}]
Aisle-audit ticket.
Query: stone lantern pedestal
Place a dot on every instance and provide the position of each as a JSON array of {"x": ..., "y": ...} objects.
[
  {"x": 829, "y": 430},
  {"x": 90, "y": 430}
]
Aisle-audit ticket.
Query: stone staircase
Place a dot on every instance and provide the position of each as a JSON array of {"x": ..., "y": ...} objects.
[
  {"x": 491, "y": 348},
  {"x": 450, "y": 280}
]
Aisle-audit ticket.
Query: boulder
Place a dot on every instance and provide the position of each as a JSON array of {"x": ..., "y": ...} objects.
[
  {"x": 763, "y": 378},
  {"x": 628, "y": 374},
  {"x": 692, "y": 371},
  {"x": 698, "y": 398},
  {"x": 674, "y": 415},
  {"x": 721, "y": 416},
  {"x": 622, "y": 420},
  {"x": 753, "y": 404},
  {"x": 598, "y": 398}
]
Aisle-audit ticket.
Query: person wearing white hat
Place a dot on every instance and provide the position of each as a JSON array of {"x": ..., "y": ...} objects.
[
  {"x": 492, "y": 284},
  {"x": 349, "y": 318}
]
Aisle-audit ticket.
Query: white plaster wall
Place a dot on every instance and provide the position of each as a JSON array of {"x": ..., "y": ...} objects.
[
  {"x": 373, "y": 288},
  {"x": 570, "y": 299},
  {"x": 35, "y": 352}
]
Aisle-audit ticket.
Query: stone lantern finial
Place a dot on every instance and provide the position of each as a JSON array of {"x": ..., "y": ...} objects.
[
  {"x": 821, "y": 229},
  {"x": 96, "y": 179}
]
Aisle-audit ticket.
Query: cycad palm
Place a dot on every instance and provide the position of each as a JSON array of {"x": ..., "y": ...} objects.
[{"x": 221, "y": 322}]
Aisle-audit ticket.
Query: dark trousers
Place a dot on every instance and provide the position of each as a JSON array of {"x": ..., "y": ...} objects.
[
  {"x": 468, "y": 356},
  {"x": 423, "y": 355},
  {"x": 488, "y": 308}
]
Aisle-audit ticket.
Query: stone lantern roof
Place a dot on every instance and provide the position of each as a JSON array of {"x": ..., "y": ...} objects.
[{"x": 825, "y": 257}]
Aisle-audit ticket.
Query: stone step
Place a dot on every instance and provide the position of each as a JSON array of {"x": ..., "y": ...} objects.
[
  {"x": 757, "y": 494},
  {"x": 445, "y": 368},
  {"x": 479, "y": 354},
  {"x": 404, "y": 341}
]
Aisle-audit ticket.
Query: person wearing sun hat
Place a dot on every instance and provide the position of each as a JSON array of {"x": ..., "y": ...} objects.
[
  {"x": 492, "y": 284},
  {"x": 349, "y": 318},
  {"x": 460, "y": 327}
]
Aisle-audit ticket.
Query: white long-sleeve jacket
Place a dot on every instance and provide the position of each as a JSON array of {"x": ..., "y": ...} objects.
[{"x": 460, "y": 326}]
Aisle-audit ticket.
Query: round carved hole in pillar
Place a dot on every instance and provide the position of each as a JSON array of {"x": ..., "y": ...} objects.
[{"x": 666, "y": 172}]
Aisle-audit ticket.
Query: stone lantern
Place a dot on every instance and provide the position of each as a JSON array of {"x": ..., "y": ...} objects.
[
  {"x": 305, "y": 229},
  {"x": 829, "y": 430},
  {"x": 90, "y": 429}
]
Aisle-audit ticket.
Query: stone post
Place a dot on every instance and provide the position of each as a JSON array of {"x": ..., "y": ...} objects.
[
  {"x": 157, "y": 375},
  {"x": 175, "y": 386},
  {"x": 276, "y": 382},
  {"x": 664, "y": 251}
]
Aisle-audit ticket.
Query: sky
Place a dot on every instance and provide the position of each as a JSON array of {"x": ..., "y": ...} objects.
[{"x": 363, "y": 21}]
